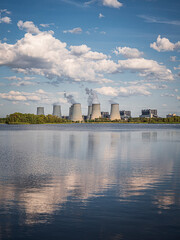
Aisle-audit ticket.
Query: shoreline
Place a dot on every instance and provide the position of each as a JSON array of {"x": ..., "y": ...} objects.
[{"x": 23, "y": 123}]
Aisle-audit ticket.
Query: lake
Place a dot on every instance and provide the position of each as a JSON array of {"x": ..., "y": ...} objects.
[{"x": 90, "y": 181}]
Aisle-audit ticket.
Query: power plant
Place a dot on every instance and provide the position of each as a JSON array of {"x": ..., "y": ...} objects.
[
  {"x": 96, "y": 111},
  {"x": 57, "y": 110},
  {"x": 76, "y": 113},
  {"x": 40, "y": 110},
  {"x": 115, "y": 115}
]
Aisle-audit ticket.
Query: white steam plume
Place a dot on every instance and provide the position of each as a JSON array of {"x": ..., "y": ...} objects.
[
  {"x": 92, "y": 96},
  {"x": 69, "y": 98}
]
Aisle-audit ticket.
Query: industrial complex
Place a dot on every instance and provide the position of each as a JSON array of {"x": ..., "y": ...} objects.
[{"x": 94, "y": 112}]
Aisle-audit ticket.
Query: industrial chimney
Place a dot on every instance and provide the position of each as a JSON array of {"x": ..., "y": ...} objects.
[
  {"x": 40, "y": 110},
  {"x": 96, "y": 112},
  {"x": 89, "y": 112},
  {"x": 57, "y": 110},
  {"x": 76, "y": 112},
  {"x": 115, "y": 115}
]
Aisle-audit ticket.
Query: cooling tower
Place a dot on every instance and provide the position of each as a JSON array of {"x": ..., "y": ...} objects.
[
  {"x": 40, "y": 110},
  {"x": 76, "y": 112},
  {"x": 57, "y": 110},
  {"x": 70, "y": 112},
  {"x": 115, "y": 112},
  {"x": 89, "y": 112},
  {"x": 96, "y": 112}
]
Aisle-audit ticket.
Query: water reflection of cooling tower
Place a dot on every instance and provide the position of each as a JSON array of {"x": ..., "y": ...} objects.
[
  {"x": 57, "y": 110},
  {"x": 96, "y": 112},
  {"x": 76, "y": 112},
  {"x": 89, "y": 112},
  {"x": 40, "y": 110},
  {"x": 115, "y": 112}
]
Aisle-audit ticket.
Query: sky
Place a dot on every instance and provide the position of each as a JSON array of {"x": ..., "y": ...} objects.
[{"x": 57, "y": 51}]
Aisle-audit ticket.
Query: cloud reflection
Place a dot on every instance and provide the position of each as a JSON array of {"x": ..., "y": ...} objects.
[{"x": 55, "y": 167}]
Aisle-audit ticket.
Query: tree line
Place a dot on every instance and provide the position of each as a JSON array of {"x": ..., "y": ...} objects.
[{"x": 27, "y": 118}]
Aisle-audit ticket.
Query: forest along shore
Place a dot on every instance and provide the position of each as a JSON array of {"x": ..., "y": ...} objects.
[{"x": 27, "y": 118}]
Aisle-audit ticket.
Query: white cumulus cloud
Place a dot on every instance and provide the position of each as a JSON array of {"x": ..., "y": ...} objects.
[
  {"x": 128, "y": 52},
  {"x": 77, "y": 30},
  {"x": 84, "y": 51},
  {"x": 164, "y": 45},
  {"x": 108, "y": 91},
  {"x": 45, "y": 25},
  {"x": 79, "y": 50},
  {"x": 26, "y": 97},
  {"x": 101, "y": 15},
  {"x": 112, "y": 3},
  {"x": 28, "y": 26},
  {"x": 124, "y": 91},
  {"x": 43, "y": 54},
  {"x": 146, "y": 68},
  {"x": 5, "y": 20}
]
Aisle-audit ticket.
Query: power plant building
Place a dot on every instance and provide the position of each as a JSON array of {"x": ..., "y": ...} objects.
[
  {"x": 115, "y": 115},
  {"x": 171, "y": 115},
  {"x": 105, "y": 114},
  {"x": 125, "y": 114},
  {"x": 96, "y": 112},
  {"x": 40, "y": 110},
  {"x": 76, "y": 113},
  {"x": 57, "y": 110},
  {"x": 149, "y": 113}
]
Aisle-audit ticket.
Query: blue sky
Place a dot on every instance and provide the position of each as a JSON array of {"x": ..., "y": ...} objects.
[{"x": 126, "y": 51}]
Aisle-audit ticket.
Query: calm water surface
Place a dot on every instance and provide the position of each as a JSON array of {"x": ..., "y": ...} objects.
[{"x": 90, "y": 181}]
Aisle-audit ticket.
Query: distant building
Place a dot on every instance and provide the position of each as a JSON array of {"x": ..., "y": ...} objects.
[
  {"x": 65, "y": 117},
  {"x": 105, "y": 114},
  {"x": 149, "y": 113},
  {"x": 125, "y": 114},
  {"x": 171, "y": 115}
]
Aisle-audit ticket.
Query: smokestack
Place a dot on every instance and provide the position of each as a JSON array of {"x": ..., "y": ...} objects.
[
  {"x": 89, "y": 112},
  {"x": 40, "y": 110},
  {"x": 96, "y": 112},
  {"x": 57, "y": 110},
  {"x": 115, "y": 115},
  {"x": 76, "y": 112}
]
